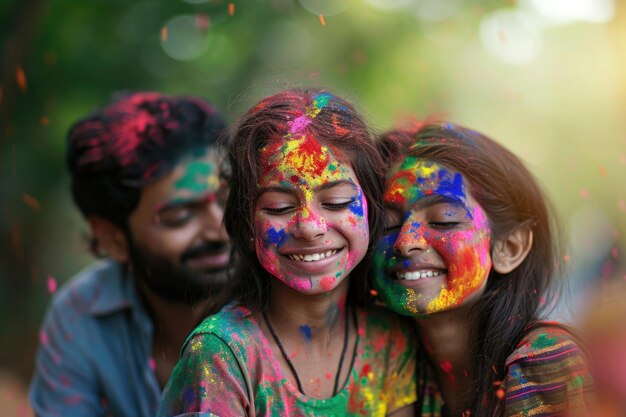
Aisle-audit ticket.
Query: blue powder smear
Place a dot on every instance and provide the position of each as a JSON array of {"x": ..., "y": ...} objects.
[
  {"x": 306, "y": 332},
  {"x": 276, "y": 237}
]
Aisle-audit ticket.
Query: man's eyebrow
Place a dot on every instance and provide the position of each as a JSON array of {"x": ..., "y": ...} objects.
[{"x": 184, "y": 201}]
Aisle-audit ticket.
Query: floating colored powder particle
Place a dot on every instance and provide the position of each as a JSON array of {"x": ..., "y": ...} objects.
[
  {"x": 31, "y": 202},
  {"x": 231, "y": 9},
  {"x": 164, "y": 33},
  {"x": 52, "y": 284},
  {"x": 44, "y": 121},
  {"x": 152, "y": 364},
  {"x": 584, "y": 193},
  {"x": 500, "y": 393},
  {"x": 322, "y": 21},
  {"x": 202, "y": 21},
  {"x": 20, "y": 77},
  {"x": 502, "y": 36}
]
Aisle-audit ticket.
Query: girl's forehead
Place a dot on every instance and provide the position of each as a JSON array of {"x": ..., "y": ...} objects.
[
  {"x": 415, "y": 178},
  {"x": 301, "y": 160}
]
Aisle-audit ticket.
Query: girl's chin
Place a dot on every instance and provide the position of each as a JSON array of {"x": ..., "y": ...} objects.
[{"x": 313, "y": 285}]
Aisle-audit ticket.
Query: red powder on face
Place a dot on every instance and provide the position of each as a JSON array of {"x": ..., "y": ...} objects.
[
  {"x": 327, "y": 283},
  {"x": 353, "y": 221},
  {"x": 312, "y": 147},
  {"x": 295, "y": 179}
]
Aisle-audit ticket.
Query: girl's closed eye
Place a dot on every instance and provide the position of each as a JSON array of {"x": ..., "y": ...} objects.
[
  {"x": 339, "y": 203},
  {"x": 444, "y": 216},
  {"x": 444, "y": 225},
  {"x": 278, "y": 210}
]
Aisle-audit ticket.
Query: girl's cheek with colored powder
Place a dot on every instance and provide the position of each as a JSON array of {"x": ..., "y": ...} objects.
[
  {"x": 469, "y": 263},
  {"x": 267, "y": 244},
  {"x": 395, "y": 296}
]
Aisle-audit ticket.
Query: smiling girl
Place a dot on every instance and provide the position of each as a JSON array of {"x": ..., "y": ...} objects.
[
  {"x": 303, "y": 209},
  {"x": 470, "y": 254}
]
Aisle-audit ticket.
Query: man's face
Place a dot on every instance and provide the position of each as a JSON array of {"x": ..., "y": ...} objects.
[{"x": 178, "y": 245}]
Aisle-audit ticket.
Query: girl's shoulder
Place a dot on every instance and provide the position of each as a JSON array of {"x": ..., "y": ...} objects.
[
  {"x": 548, "y": 372},
  {"x": 233, "y": 325},
  {"x": 546, "y": 342}
]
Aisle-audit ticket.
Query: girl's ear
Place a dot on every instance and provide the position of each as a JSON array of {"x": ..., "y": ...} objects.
[
  {"x": 110, "y": 237},
  {"x": 510, "y": 252}
]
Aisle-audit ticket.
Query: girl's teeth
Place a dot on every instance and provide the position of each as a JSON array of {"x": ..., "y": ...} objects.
[
  {"x": 414, "y": 275},
  {"x": 313, "y": 256}
]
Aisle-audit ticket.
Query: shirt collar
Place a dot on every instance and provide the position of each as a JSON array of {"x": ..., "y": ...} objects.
[{"x": 118, "y": 294}]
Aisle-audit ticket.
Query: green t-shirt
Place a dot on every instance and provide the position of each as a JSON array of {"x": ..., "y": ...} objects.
[{"x": 228, "y": 368}]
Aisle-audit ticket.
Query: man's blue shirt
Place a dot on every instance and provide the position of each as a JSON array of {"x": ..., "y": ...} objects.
[{"x": 94, "y": 357}]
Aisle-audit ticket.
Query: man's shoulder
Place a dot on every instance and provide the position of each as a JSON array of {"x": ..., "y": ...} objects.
[{"x": 84, "y": 291}]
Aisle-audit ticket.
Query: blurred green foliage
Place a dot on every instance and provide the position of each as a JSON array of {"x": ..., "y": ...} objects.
[{"x": 561, "y": 110}]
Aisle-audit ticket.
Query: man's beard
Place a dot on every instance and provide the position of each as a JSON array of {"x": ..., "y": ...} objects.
[{"x": 175, "y": 282}]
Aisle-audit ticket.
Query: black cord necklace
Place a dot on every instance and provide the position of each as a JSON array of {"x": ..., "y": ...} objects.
[{"x": 293, "y": 369}]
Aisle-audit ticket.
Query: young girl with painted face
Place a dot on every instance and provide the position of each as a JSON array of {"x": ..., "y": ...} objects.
[
  {"x": 303, "y": 207},
  {"x": 469, "y": 252}
]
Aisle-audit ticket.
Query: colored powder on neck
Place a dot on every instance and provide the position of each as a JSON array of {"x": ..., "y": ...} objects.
[{"x": 306, "y": 332}]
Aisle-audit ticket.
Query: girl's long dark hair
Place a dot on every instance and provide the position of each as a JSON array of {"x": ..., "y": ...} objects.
[
  {"x": 512, "y": 199},
  {"x": 337, "y": 125}
]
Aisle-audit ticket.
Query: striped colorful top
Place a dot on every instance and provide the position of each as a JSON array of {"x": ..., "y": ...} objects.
[{"x": 547, "y": 375}]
